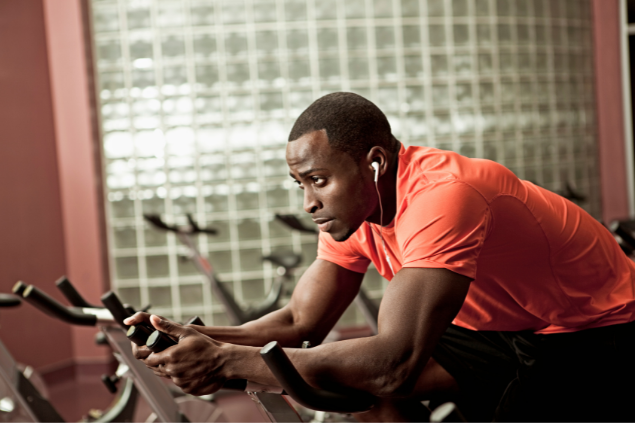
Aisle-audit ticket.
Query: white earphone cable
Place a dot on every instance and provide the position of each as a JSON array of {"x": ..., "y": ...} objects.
[{"x": 381, "y": 223}]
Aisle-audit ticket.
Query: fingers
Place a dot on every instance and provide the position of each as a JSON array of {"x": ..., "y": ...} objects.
[
  {"x": 190, "y": 364},
  {"x": 157, "y": 359},
  {"x": 140, "y": 353},
  {"x": 158, "y": 372},
  {"x": 135, "y": 319},
  {"x": 173, "y": 329}
]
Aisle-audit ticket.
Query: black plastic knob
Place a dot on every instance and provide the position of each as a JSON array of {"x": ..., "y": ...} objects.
[
  {"x": 139, "y": 334},
  {"x": 158, "y": 341},
  {"x": 110, "y": 382}
]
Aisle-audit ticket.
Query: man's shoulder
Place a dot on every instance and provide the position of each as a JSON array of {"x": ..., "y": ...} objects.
[{"x": 427, "y": 169}]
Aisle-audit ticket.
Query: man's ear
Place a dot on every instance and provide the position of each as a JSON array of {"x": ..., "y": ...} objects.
[{"x": 377, "y": 155}]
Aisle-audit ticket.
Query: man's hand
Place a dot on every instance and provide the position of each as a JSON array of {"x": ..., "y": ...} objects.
[
  {"x": 142, "y": 352},
  {"x": 195, "y": 364}
]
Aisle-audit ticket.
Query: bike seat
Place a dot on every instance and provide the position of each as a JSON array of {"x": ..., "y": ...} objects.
[
  {"x": 288, "y": 259},
  {"x": 8, "y": 300}
]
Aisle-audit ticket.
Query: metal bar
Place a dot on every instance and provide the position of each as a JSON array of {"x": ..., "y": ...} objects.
[{"x": 156, "y": 394}]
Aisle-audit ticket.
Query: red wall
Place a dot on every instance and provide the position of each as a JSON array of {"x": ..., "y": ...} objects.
[
  {"x": 78, "y": 159},
  {"x": 32, "y": 236},
  {"x": 610, "y": 118},
  {"x": 50, "y": 178}
]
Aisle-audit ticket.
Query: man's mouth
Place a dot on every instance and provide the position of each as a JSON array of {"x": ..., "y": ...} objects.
[{"x": 323, "y": 224}]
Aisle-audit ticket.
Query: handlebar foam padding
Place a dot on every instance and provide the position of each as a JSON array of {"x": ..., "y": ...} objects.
[
  {"x": 112, "y": 302},
  {"x": 54, "y": 309},
  {"x": 308, "y": 396},
  {"x": 71, "y": 294}
]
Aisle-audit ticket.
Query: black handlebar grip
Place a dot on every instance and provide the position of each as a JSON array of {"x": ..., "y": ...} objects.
[
  {"x": 112, "y": 302},
  {"x": 195, "y": 321},
  {"x": 18, "y": 288},
  {"x": 110, "y": 383},
  {"x": 71, "y": 294},
  {"x": 158, "y": 341},
  {"x": 624, "y": 233},
  {"x": 155, "y": 340},
  {"x": 139, "y": 334},
  {"x": 235, "y": 384},
  {"x": 8, "y": 300},
  {"x": 308, "y": 396},
  {"x": 53, "y": 308}
]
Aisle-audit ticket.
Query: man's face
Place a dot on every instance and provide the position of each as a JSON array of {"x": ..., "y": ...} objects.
[{"x": 335, "y": 193}]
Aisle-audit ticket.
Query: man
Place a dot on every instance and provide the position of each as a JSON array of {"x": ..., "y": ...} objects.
[{"x": 501, "y": 292}]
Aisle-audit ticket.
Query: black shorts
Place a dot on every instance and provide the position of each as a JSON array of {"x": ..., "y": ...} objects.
[{"x": 520, "y": 376}]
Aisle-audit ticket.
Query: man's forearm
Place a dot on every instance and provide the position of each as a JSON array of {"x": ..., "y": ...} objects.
[
  {"x": 276, "y": 326},
  {"x": 365, "y": 364},
  {"x": 416, "y": 310}
]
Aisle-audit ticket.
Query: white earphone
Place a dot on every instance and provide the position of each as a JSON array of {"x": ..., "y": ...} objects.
[{"x": 375, "y": 166}]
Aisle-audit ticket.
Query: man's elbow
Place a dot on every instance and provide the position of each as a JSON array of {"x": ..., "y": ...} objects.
[{"x": 399, "y": 381}]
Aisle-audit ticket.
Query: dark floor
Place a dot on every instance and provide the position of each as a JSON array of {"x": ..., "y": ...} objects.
[{"x": 73, "y": 399}]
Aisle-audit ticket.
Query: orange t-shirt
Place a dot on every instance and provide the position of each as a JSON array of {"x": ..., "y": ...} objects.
[{"x": 539, "y": 262}]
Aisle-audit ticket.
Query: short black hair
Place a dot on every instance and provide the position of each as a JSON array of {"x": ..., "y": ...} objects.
[{"x": 353, "y": 124}]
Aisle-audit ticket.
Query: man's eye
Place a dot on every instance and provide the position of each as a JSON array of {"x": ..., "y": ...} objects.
[{"x": 317, "y": 180}]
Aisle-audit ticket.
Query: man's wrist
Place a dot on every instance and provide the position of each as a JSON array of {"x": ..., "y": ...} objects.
[{"x": 241, "y": 362}]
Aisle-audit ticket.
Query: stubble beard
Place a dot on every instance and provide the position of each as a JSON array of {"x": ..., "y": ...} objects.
[{"x": 346, "y": 236}]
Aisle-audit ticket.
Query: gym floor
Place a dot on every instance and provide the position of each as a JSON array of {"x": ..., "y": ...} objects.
[
  {"x": 75, "y": 395},
  {"x": 73, "y": 398}
]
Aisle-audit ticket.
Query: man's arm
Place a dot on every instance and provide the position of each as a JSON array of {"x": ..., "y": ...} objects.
[
  {"x": 321, "y": 296},
  {"x": 417, "y": 307}
]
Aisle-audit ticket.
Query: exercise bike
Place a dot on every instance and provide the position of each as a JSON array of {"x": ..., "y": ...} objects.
[
  {"x": 270, "y": 398},
  {"x": 138, "y": 380},
  {"x": 22, "y": 400},
  {"x": 235, "y": 313}
]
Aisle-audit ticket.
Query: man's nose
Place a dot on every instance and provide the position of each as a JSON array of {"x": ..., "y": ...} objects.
[{"x": 311, "y": 202}]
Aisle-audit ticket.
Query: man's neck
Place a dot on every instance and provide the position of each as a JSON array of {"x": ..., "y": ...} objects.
[{"x": 387, "y": 186}]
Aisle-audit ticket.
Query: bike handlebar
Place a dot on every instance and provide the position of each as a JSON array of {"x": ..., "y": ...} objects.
[
  {"x": 111, "y": 301},
  {"x": 7, "y": 300},
  {"x": 620, "y": 228},
  {"x": 293, "y": 222},
  {"x": 19, "y": 288},
  {"x": 71, "y": 294},
  {"x": 53, "y": 308},
  {"x": 157, "y": 222},
  {"x": 275, "y": 358},
  {"x": 308, "y": 396}
]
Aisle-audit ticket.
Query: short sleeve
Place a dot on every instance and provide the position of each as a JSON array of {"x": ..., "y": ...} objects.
[
  {"x": 444, "y": 226},
  {"x": 341, "y": 253}
]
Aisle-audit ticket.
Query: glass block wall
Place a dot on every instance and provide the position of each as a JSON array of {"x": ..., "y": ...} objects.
[{"x": 197, "y": 98}]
